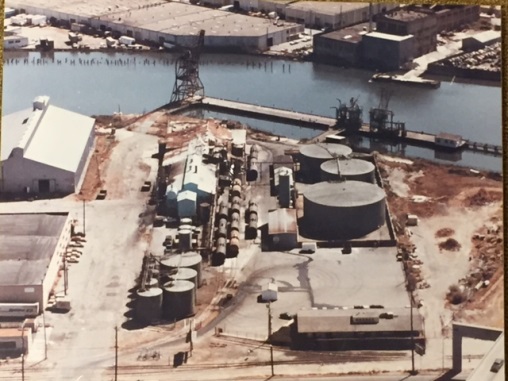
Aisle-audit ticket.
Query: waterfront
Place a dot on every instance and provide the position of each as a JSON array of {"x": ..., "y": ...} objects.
[{"x": 102, "y": 83}]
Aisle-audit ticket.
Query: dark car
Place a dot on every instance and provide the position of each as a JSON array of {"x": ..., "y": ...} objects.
[
  {"x": 285, "y": 316},
  {"x": 497, "y": 365}
]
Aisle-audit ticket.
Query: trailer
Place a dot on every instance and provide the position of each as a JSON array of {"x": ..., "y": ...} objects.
[
  {"x": 127, "y": 41},
  {"x": 20, "y": 310}
]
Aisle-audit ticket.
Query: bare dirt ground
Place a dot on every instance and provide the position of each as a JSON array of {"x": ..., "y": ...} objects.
[{"x": 458, "y": 242}]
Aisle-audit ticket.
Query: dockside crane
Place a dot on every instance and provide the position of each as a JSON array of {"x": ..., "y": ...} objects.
[
  {"x": 188, "y": 85},
  {"x": 349, "y": 117},
  {"x": 381, "y": 118}
]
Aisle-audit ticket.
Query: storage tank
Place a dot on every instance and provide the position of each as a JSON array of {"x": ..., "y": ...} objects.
[
  {"x": 236, "y": 190},
  {"x": 204, "y": 212},
  {"x": 179, "y": 300},
  {"x": 218, "y": 259},
  {"x": 251, "y": 231},
  {"x": 221, "y": 246},
  {"x": 313, "y": 155},
  {"x": 148, "y": 307},
  {"x": 184, "y": 240},
  {"x": 235, "y": 226},
  {"x": 223, "y": 211},
  {"x": 190, "y": 260},
  {"x": 233, "y": 248},
  {"x": 350, "y": 169},
  {"x": 185, "y": 221},
  {"x": 345, "y": 210},
  {"x": 222, "y": 228},
  {"x": 235, "y": 216}
]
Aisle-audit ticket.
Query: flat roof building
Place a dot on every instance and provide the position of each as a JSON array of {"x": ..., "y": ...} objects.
[
  {"x": 31, "y": 251},
  {"x": 45, "y": 149},
  {"x": 342, "y": 46},
  {"x": 282, "y": 229}
]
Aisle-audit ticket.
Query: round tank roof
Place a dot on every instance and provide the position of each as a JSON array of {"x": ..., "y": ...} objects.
[
  {"x": 182, "y": 260},
  {"x": 184, "y": 273},
  {"x": 149, "y": 292},
  {"x": 348, "y": 167},
  {"x": 179, "y": 286},
  {"x": 344, "y": 194},
  {"x": 325, "y": 150}
]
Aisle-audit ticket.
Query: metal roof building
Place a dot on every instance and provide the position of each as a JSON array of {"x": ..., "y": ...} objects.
[
  {"x": 45, "y": 149},
  {"x": 198, "y": 176},
  {"x": 282, "y": 229},
  {"x": 31, "y": 250},
  {"x": 358, "y": 328}
]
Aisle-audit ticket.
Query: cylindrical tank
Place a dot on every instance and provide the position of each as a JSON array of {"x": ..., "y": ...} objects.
[
  {"x": 234, "y": 234},
  {"x": 313, "y": 155},
  {"x": 179, "y": 300},
  {"x": 253, "y": 171},
  {"x": 204, "y": 212},
  {"x": 186, "y": 227},
  {"x": 235, "y": 216},
  {"x": 185, "y": 273},
  {"x": 184, "y": 240},
  {"x": 218, "y": 259},
  {"x": 148, "y": 307},
  {"x": 235, "y": 207},
  {"x": 235, "y": 225},
  {"x": 236, "y": 190},
  {"x": 221, "y": 245},
  {"x": 185, "y": 221},
  {"x": 223, "y": 211},
  {"x": 222, "y": 228},
  {"x": 344, "y": 210},
  {"x": 237, "y": 181},
  {"x": 251, "y": 231},
  {"x": 189, "y": 260},
  {"x": 350, "y": 169},
  {"x": 233, "y": 248}
]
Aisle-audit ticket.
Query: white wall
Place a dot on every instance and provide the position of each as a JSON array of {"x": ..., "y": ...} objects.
[
  {"x": 16, "y": 42},
  {"x": 80, "y": 174}
]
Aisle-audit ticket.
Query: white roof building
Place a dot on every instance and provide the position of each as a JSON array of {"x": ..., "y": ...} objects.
[
  {"x": 199, "y": 177},
  {"x": 45, "y": 149}
]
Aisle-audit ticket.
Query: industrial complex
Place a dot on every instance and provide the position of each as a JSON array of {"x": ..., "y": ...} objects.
[{"x": 153, "y": 245}]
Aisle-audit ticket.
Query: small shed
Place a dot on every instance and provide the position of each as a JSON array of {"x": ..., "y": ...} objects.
[
  {"x": 269, "y": 293},
  {"x": 186, "y": 204},
  {"x": 282, "y": 229},
  {"x": 449, "y": 140}
]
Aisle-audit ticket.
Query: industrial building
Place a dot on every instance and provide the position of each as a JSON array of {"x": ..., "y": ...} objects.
[
  {"x": 343, "y": 210},
  {"x": 45, "y": 149},
  {"x": 404, "y": 22},
  {"x": 388, "y": 51},
  {"x": 282, "y": 229},
  {"x": 15, "y": 341},
  {"x": 199, "y": 177},
  {"x": 356, "y": 329},
  {"x": 480, "y": 40},
  {"x": 170, "y": 22},
  {"x": 31, "y": 253},
  {"x": 450, "y": 17}
]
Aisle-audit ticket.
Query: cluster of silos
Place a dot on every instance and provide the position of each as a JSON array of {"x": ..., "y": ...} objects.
[
  {"x": 183, "y": 275},
  {"x": 251, "y": 218},
  {"x": 348, "y": 169},
  {"x": 312, "y": 156},
  {"x": 253, "y": 163},
  {"x": 343, "y": 210}
]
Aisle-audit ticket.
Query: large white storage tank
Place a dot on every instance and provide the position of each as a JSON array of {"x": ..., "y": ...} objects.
[
  {"x": 313, "y": 155},
  {"x": 343, "y": 210},
  {"x": 189, "y": 260}
]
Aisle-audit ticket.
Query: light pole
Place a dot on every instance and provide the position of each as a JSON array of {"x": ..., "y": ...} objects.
[
  {"x": 45, "y": 337},
  {"x": 413, "y": 370},
  {"x": 270, "y": 335},
  {"x": 23, "y": 350}
]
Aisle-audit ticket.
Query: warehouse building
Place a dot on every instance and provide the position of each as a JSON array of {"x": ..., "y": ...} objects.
[
  {"x": 171, "y": 22},
  {"x": 282, "y": 229},
  {"x": 450, "y": 17},
  {"x": 341, "y": 47},
  {"x": 45, "y": 150},
  {"x": 480, "y": 40},
  {"x": 199, "y": 177},
  {"x": 31, "y": 252},
  {"x": 357, "y": 329},
  {"x": 388, "y": 51}
]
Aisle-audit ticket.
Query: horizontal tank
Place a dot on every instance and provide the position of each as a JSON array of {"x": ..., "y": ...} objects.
[
  {"x": 223, "y": 211},
  {"x": 218, "y": 259},
  {"x": 350, "y": 169},
  {"x": 235, "y": 226},
  {"x": 311, "y": 157},
  {"x": 233, "y": 248},
  {"x": 236, "y": 190},
  {"x": 148, "y": 306},
  {"x": 251, "y": 231},
  {"x": 222, "y": 228},
  {"x": 343, "y": 210},
  {"x": 221, "y": 246},
  {"x": 179, "y": 300}
]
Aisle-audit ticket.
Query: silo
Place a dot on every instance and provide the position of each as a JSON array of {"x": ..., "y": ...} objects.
[
  {"x": 189, "y": 260},
  {"x": 148, "y": 307},
  {"x": 184, "y": 240},
  {"x": 313, "y": 155},
  {"x": 350, "y": 169},
  {"x": 343, "y": 210},
  {"x": 179, "y": 300},
  {"x": 233, "y": 248}
]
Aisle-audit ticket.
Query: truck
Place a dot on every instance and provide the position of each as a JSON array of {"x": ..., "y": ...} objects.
[{"x": 126, "y": 40}]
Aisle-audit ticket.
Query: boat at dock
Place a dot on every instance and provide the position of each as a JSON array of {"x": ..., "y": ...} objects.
[{"x": 414, "y": 81}]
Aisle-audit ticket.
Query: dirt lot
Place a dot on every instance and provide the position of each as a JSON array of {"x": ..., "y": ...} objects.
[{"x": 458, "y": 240}]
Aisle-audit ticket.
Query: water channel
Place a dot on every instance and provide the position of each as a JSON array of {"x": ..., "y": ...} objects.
[{"x": 102, "y": 83}]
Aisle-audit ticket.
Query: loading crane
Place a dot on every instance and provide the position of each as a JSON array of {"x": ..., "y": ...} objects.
[
  {"x": 349, "y": 117},
  {"x": 381, "y": 118},
  {"x": 188, "y": 85}
]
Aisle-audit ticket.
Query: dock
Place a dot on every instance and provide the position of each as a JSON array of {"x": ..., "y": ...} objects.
[
  {"x": 412, "y": 81},
  {"x": 268, "y": 113},
  {"x": 422, "y": 139}
]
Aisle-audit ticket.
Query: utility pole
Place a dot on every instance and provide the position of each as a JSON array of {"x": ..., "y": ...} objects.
[
  {"x": 116, "y": 353},
  {"x": 66, "y": 277},
  {"x": 45, "y": 337},
  {"x": 269, "y": 336},
  {"x": 413, "y": 370},
  {"x": 84, "y": 218},
  {"x": 23, "y": 351}
]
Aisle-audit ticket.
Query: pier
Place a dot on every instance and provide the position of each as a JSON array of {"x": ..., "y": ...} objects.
[
  {"x": 268, "y": 113},
  {"x": 422, "y": 139}
]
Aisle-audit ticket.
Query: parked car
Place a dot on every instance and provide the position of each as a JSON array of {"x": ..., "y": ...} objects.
[{"x": 497, "y": 365}]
